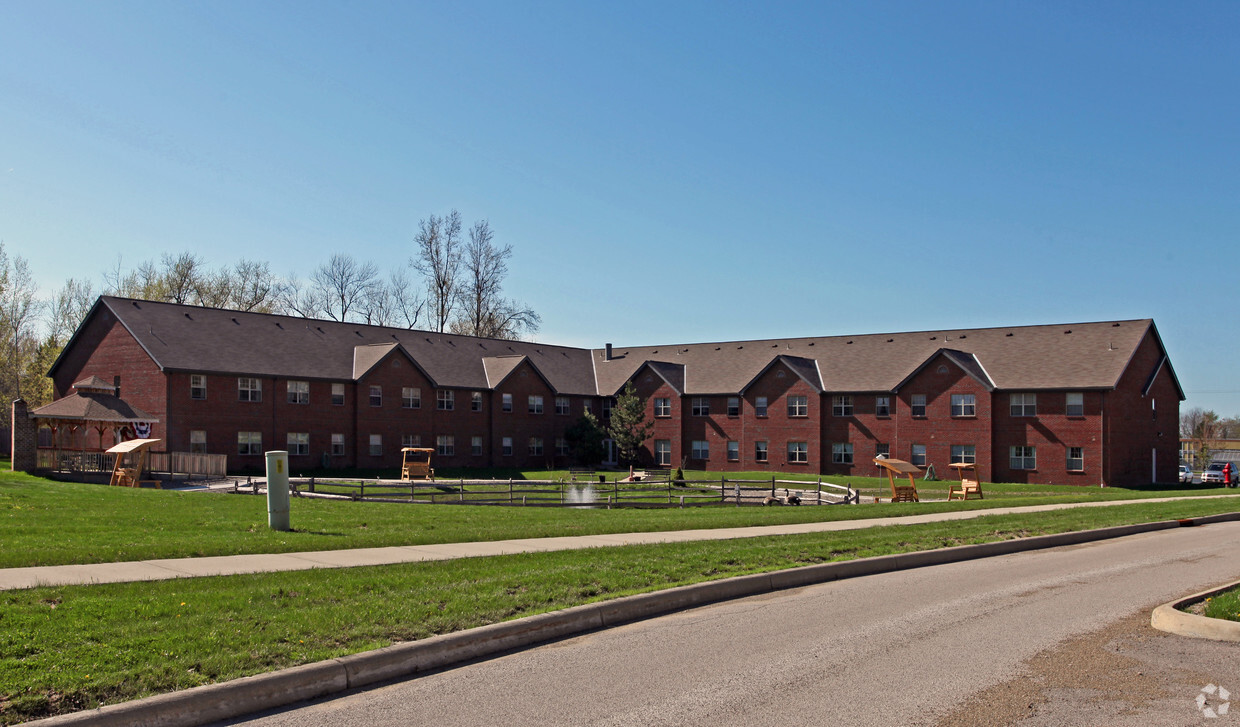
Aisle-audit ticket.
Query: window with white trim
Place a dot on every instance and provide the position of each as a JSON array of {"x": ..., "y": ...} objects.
[
  {"x": 842, "y": 405},
  {"x": 798, "y": 452},
  {"x": 608, "y": 403},
  {"x": 475, "y": 446},
  {"x": 197, "y": 441},
  {"x": 298, "y": 443},
  {"x": 535, "y": 404},
  {"x": 917, "y": 405},
  {"x": 1074, "y": 404},
  {"x": 699, "y": 406},
  {"x": 561, "y": 405},
  {"x": 410, "y": 440},
  {"x": 445, "y": 399},
  {"x": 249, "y": 389},
  {"x": 376, "y": 445},
  {"x": 536, "y": 446},
  {"x": 561, "y": 447},
  {"x": 841, "y": 453},
  {"x": 734, "y": 406},
  {"x": 249, "y": 442},
  {"x": 734, "y": 451},
  {"x": 917, "y": 455},
  {"x": 1076, "y": 459},
  {"x": 505, "y": 402},
  {"x": 964, "y": 405},
  {"x": 337, "y": 394},
  {"x": 760, "y": 451},
  {"x": 663, "y": 452},
  {"x": 1024, "y": 405},
  {"x": 760, "y": 406},
  {"x": 798, "y": 405},
  {"x": 410, "y": 397},
  {"x": 964, "y": 454},
  {"x": 299, "y": 392},
  {"x": 700, "y": 449},
  {"x": 882, "y": 450},
  {"x": 338, "y": 445},
  {"x": 882, "y": 406},
  {"x": 475, "y": 401},
  {"x": 662, "y": 407},
  {"x": 506, "y": 446},
  {"x": 445, "y": 445},
  {"x": 1023, "y": 458},
  {"x": 376, "y": 395},
  {"x": 197, "y": 386}
]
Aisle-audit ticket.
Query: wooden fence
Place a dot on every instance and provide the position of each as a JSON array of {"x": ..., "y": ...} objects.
[{"x": 171, "y": 463}]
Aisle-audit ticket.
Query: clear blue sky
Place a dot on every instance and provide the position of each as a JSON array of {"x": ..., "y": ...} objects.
[{"x": 665, "y": 171}]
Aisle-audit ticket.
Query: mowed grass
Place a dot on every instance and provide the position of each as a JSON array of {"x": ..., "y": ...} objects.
[
  {"x": 70, "y": 648},
  {"x": 43, "y": 522},
  {"x": 1225, "y": 605}
]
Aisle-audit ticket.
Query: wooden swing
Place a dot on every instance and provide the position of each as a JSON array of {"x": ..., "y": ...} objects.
[
  {"x": 130, "y": 460},
  {"x": 893, "y": 467}
]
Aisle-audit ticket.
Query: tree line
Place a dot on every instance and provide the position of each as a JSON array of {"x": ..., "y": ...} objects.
[
  {"x": 1204, "y": 428},
  {"x": 453, "y": 281}
]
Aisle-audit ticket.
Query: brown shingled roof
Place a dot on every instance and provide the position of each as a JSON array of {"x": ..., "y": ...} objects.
[{"x": 92, "y": 406}]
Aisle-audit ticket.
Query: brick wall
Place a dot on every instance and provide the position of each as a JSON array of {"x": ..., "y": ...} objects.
[{"x": 24, "y": 439}]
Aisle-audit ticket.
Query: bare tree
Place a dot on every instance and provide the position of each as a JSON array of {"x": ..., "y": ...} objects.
[
  {"x": 19, "y": 311},
  {"x": 67, "y": 310},
  {"x": 407, "y": 305},
  {"x": 179, "y": 277},
  {"x": 253, "y": 287},
  {"x": 344, "y": 283},
  {"x": 485, "y": 312},
  {"x": 295, "y": 298},
  {"x": 439, "y": 260}
]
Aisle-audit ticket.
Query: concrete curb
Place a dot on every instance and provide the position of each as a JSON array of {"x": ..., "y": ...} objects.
[
  {"x": 1170, "y": 618},
  {"x": 225, "y": 700}
]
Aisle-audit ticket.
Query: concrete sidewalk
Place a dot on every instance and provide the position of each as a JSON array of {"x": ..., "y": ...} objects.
[{"x": 154, "y": 570}]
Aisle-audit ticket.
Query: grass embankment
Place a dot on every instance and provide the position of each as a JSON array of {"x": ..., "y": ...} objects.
[
  {"x": 70, "y": 648},
  {"x": 58, "y": 523},
  {"x": 1225, "y": 605}
]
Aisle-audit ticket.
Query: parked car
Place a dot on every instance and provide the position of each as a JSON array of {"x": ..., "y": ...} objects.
[
  {"x": 1214, "y": 474},
  {"x": 1186, "y": 473}
]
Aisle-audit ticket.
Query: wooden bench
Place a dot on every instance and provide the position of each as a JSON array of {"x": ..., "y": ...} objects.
[
  {"x": 893, "y": 467},
  {"x": 969, "y": 484}
]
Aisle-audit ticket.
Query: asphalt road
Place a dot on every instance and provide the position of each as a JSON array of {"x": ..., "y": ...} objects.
[{"x": 1056, "y": 637}]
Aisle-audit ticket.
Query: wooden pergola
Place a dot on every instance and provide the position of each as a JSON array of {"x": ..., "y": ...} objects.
[{"x": 893, "y": 467}]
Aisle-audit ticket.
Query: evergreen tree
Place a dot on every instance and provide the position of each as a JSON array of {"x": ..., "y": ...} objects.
[{"x": 629, "y": 427}]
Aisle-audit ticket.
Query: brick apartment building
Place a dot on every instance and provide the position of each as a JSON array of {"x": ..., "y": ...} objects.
[{"x": 1088, "y": 404}]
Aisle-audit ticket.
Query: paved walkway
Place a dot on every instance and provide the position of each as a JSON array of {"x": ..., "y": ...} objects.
[{"x": 164, "y": 569}]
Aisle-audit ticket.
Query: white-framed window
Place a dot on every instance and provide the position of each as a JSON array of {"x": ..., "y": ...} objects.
[
  {"x": 734, "y": 406},
  {"x": 299, "y": 392},
  {"x": 475, "y": 446},
  {"x": 298, "y": 443},
  {"x": 1024, "y": 405},
  {"x": 410, "y": 440},
  {"x": 337, "y": 394},
  {"x": 964, "y": 405},
  {"x": 410, "y": 397},
  {"x": 506, "y": 402},
  {"x": 445, "y": 445},
  {"x": 842, "y": 405},
  {"x": 475, "y": 401},
  {"x": 1076, "y": 459},
  {"x": 760, "y": 451},
  {"x": 798, "y": 452},
  {"x": 841, "y": 453},
  {"x": 608, "y": 403},
  {"x": 759, "y": 406},
  {"x": 249, "y": 389},
  {"x": 197, "y": 386},
  {"x": 917, "y": 455},
  {"x": 700, "y": 449},
  {"x": 249, "y": 442},
  {"x": 445, "y": 399},
  {"x": 699, "y": 406},
  {"x": 798, "y": 406},
  {"x": 1024, "y": 458},
  {"x": 1074, "y": 404},
  {"x": 536, "y": 446},
  {"x": 882, "y": 450},
  {"x": 338, "y": 445},
  {"x": 882, "y": 406},
  {"x": 561, "y": 447},
  {"x": 535, "y": 404},
  {"x": 506, "y": 446},
  {"x": 376, "y": 445},
  {"x": 964, "y": 454},
  {"x": 917, "y": 405},
  {"x": 561, "y": 405},
  {"x": 663, "y": 452},
  {"x": 662, "y": 407},
  {"x": 734, "y": 451},
  {"x": 376, "y": 395},
  {"x": 198, "y": 441}
]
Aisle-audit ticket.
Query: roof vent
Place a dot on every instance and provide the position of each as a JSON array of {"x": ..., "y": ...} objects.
[
  {"x": 962, "y": 336},
  {"x": 1113, "y": 325},
  {"x": 277, "y": 323},
  {"x": 655, "y": 351},
  {"x": 236, "y": 321},
  {"x": 359, "y": 334},
  {"x": 1067, "y": 331},
  {"x": 320, "y": 328},
  {"x": 428, "y": 340},
  {"x": 811, "y": 343},
  {"x": 394, "y": 338},
  {"x": 607, "y": 353},
  {"x": 933, "y": 337},
  {"x": 850, "y": 343},
  {"x": 717, "y": 348},
  {"x": 135, "y": 305},
  {"x": 739, "y": 348},
  {"x": 774, "y": 345},
  {"x": 1009, "y": 334},
  {"x": 889, "y": 340},
  {"x": 189, "y": 316}
]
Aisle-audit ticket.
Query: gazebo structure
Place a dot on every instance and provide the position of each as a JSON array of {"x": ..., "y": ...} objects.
[{"x": 93, "y": 408}]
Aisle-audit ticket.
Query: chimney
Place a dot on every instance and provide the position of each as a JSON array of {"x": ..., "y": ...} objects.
[{"x": 607, "y": 354}]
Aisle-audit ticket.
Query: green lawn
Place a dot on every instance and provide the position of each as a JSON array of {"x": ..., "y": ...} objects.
[
  {"x": 54, "y": 523},
  {"x": 1225, "y": 605},
  {"x": 69, "y": 648}
]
